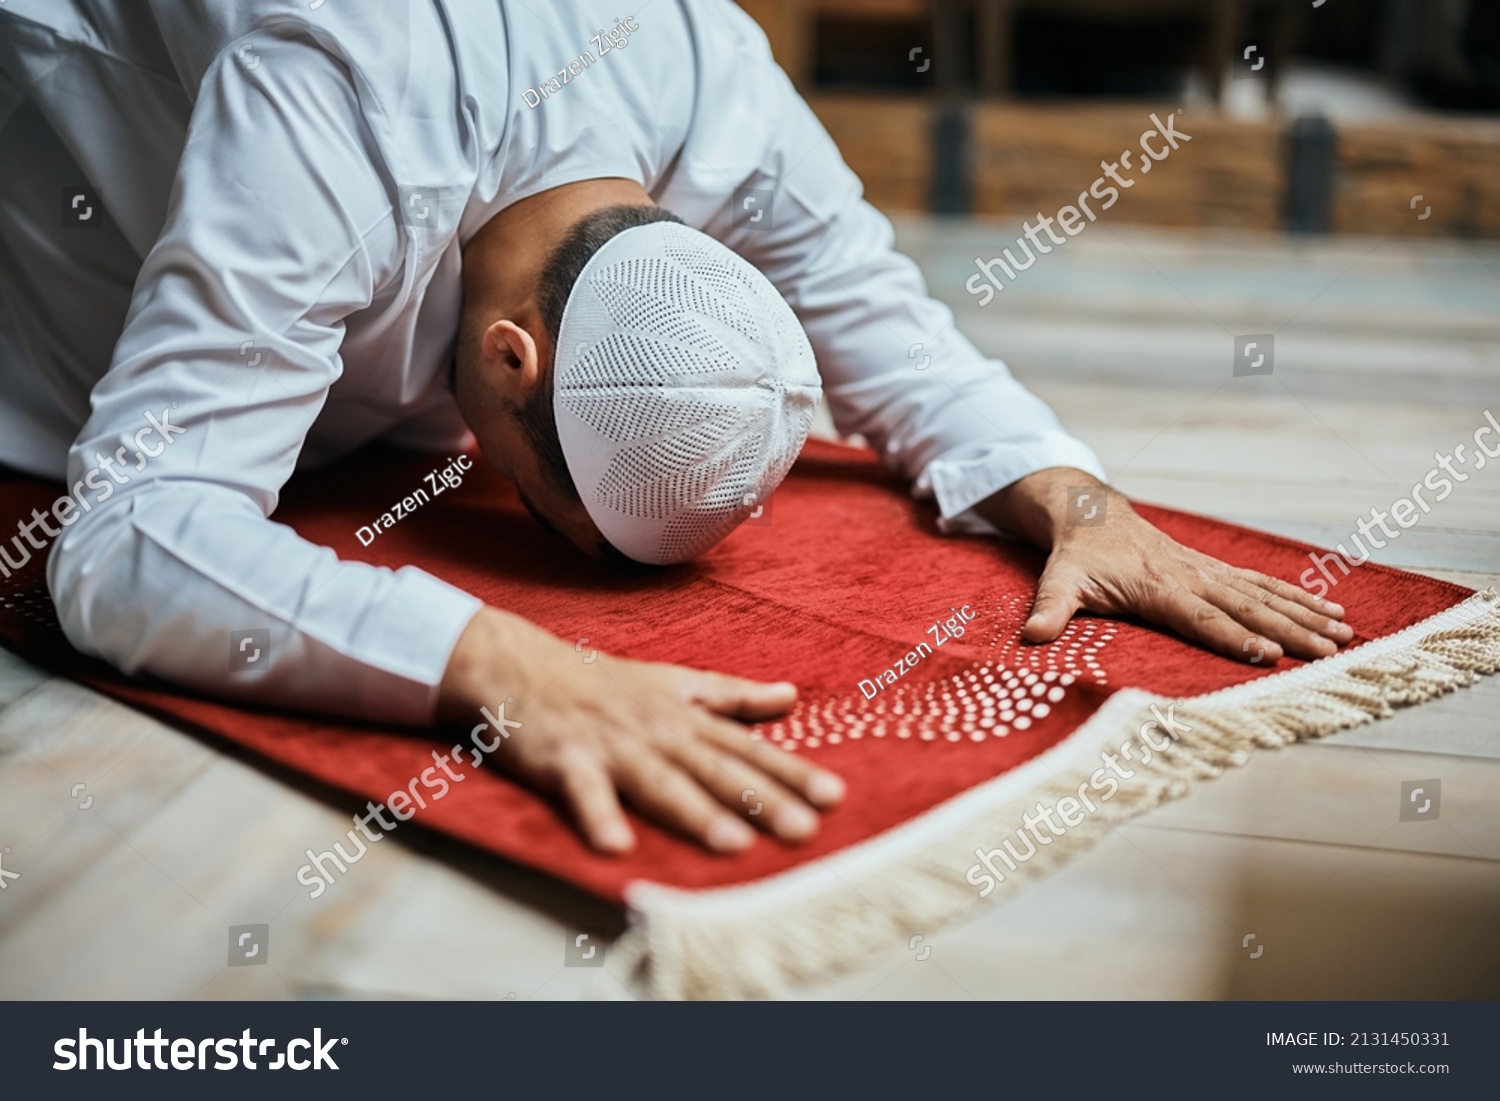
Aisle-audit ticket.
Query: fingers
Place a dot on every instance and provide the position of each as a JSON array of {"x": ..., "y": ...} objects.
[
  {"x": 742, "y": 787},
  {"x": 818, "y": 786},
  {"x": 1288, "y": 591},
  {"x": 590, "y": 793},
  {"x": 1250, "y": 611},
  {"x": 739, "y": 698},
  {"x": 1310, "y": 619},
  {"x": 666, "y": 794},
  {"x": 1196, "y": 619},
  {"x": 679, "y": 761},
  {"x": 1057, "y": 599}
]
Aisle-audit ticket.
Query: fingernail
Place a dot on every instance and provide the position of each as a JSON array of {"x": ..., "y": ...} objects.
[
  {"x": 729, "y": 835},
  {"x": 616, "y": 837},
  {"x": 1332, "y": 605},
  {"x": 1326, "y": 645},
  {"x": 825, "y": 788},
  {"x": 795, "y": 822},
  {"x": 1340, "y": 628}
]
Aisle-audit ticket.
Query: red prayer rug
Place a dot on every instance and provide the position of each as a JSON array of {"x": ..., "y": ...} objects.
[{"x": 974, "y": 762}]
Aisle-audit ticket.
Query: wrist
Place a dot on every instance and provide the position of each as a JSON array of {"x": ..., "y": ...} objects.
[
  {"x": 1036, "y": 507},
  {"x": 497, "y": 652}
]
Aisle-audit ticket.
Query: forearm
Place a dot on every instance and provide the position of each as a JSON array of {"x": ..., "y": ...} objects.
[{"x": 167, "y": 581}]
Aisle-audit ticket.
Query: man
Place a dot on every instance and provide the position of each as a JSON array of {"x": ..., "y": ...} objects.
[{"x": 275, "y": 231}]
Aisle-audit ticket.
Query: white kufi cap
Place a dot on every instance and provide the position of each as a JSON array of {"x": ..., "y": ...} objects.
[{"x": 684, "y": 387}]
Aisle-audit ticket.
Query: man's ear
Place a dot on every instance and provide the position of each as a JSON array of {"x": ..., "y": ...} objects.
[{"x": 511, "y": 360}]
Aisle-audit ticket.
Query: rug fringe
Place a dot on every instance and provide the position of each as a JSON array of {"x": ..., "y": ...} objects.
[{"x": 840, "y": 911}]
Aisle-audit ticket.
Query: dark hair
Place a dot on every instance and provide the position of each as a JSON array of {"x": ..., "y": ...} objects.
[{"x": 588, "y": 235}]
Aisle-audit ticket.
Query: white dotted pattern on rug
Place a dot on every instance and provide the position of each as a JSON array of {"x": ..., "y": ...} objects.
[
  {"x": 1075, "y": 651},
  {"x": 987, "y": 701}
]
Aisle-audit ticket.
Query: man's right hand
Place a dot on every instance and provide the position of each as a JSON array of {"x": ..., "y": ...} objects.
[{"x": 661, "y": 736}]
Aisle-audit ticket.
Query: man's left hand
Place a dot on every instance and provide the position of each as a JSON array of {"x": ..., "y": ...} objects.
[{"x": 1123, "y": 565}]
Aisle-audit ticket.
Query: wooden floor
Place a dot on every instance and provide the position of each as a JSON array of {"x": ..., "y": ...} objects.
[{"x": 1385, "y": 352}]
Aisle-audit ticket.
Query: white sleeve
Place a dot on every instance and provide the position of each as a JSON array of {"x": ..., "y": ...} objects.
[
  {"x": 895, "y": 368},
  {"x": 280, "y": 227}
]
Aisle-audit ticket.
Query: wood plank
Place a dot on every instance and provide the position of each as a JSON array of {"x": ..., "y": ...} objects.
[
  {"x": 1351, "y": 796},
  {"x": 1362, "y": 288},
  {"x": 1158, "y": 913},
  {"x": 873, "y": 9},
  {"x": 1197, "y": 359},
  {"x": 1453, "y": 164},
  {"x": 138, "y": 855},
  {"x": 513, "y": 926},
  {"x": 894, "y": 159},
  {"x": 789, "y": 29},
  {"x": 17, "y": 677},
  {"x": 1039, "y": 157},
  {"x": 1062, "y": 936},
  {"x": 1462, "y": 723}
]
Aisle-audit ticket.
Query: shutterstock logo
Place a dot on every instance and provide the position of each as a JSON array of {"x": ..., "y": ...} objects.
[
  {"x": 157, "y": 1053},
  {"x": 250, "y": 651},
  {"x": 102, "y": 479},
  {"x": 1254, "y": 354}
]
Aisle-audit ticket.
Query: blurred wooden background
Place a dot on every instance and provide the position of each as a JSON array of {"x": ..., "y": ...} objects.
[{"x": 883, "y": 75}]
